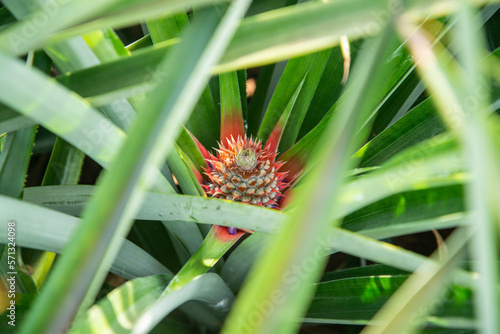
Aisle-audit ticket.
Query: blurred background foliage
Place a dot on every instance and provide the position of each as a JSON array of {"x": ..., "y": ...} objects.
[{"x": 393, "y": 123}]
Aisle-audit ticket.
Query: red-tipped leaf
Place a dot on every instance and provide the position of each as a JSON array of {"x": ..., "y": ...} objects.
[
  {"x": 294, "y": 165},
  {"x": 194, "y": 170},
  {"x": 201, "y": 148},
  {"x": 231, "y": 114},
  {"x": 275, "y": 137},
  {"x": 296, "y": 157}
]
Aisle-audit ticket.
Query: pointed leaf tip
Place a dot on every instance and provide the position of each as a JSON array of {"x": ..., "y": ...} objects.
[
  {"x": 275, "y": 137},
  {"x": 200, "y": 146}
]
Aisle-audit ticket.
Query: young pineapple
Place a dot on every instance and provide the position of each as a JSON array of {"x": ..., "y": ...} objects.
[{"x": 245, "y": 172}]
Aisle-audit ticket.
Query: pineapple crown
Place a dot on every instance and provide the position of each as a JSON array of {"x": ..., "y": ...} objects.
[
  {"x": 245, "y": 159},
  {"x": 243, "y": 154}
]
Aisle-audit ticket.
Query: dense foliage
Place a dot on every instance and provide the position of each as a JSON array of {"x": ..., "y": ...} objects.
[{"x": 208, "y": 166}]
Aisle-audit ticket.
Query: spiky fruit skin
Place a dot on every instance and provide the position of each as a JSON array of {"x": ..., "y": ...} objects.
[{"x": 243, "y": 171}]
